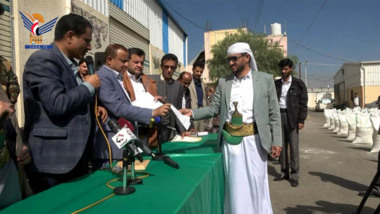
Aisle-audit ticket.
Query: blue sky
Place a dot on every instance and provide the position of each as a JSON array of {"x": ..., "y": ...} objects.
[{"x": 344, "y": 29}]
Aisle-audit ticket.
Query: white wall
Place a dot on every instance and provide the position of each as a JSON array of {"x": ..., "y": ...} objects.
[
  {"x": 155, "y": 24},
  {"x": 138, "y": 10},
  {"x": 176, "y": 41},
  {"x": 372, "y": 74},
  {"x": 99, "y": 5}
]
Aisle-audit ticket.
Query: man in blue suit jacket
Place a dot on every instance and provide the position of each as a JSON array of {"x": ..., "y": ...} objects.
[
  {"x": 115, "y": 98},
  {"x": 57, "y": 111}
]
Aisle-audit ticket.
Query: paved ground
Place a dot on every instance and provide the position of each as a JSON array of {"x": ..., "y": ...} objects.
[{"x": 332, "y": 172}]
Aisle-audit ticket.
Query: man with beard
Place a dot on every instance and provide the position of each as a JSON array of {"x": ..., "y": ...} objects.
[
  {"x": 246, "y": 147},
  {"x": 292, "y": 97},
  {"x": 118, "y": 99},
  {"x": 198, "y": 92}
]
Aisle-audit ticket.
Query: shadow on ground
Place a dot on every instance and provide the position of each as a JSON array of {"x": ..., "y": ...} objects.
[
  {"x": 272, "y": 170},
  {"x": 352, "y": 185},
  {"x": 327, "y": 207},
  {"x": 362, "y": 147}
]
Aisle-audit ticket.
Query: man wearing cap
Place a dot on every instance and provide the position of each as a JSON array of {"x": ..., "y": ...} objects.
[{"x": 248, "y": 107}]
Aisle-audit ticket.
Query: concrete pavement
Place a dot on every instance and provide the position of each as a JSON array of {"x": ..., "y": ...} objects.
[{"x": 332, "y": 171}]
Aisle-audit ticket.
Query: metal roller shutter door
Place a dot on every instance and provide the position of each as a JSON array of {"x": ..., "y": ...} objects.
[{"x": 5, "y": 32}]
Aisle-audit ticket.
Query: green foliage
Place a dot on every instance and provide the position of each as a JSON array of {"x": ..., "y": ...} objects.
[{"x": 266, "y": 53}]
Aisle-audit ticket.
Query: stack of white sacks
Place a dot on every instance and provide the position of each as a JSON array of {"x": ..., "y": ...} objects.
[{"x": 357, "y": 125}]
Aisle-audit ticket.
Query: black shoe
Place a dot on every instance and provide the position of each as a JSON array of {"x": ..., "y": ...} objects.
[
  {"x": 293, "y": 182},
  {"x": 281, "y": 177}
]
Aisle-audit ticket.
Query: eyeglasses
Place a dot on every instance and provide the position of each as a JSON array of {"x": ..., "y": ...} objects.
[
  {"x": 233, "y": 58},
  {"x": 168, "y": 66}
]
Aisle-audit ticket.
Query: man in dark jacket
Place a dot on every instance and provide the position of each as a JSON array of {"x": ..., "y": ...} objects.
[
  {"x": 292, "y": 97},
  {"x": 172, "y": 92}
]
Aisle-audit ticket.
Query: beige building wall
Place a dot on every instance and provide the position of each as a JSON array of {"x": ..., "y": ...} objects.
[
  {"x": 360, "y": 77},
  {"x": 49, "y": 11},
  {"x": 371, "y": 93},
  {"x": 210, "y": 39},
  {"x": 282, "y": 42}
]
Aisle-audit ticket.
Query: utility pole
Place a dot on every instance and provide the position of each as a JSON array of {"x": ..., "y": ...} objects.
[
  {"x": 306, "y": 61},
  {"x": 299, "y": 70}
]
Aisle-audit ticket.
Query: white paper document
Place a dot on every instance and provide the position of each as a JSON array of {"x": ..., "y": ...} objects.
[
  {"x": 185, "y": 120},
  {"x": 146, "y": 100}
]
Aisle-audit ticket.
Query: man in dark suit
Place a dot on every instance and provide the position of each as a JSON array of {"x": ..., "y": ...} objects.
[
  {"x": 292, "y": 97},
  {"x": 185, "y": 79},
  {"x": 117, "y": 100},
  {"x": 172, "y": 91},
  {"x": 58, "y": 123}
]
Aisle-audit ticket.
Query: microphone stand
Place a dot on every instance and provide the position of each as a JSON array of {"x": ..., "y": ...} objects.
[
  {"x": 125, "y": 190},
  {"x": 132, "y": 180},
  {"x": 159, "y": 155}
]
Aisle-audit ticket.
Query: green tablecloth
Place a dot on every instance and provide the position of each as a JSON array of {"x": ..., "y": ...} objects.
[{"x": 197, "y": 187}]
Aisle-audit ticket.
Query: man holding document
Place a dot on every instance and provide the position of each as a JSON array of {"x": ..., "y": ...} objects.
[
  {"x": 117, "y": 100},
  {"x": 247, "y": 103},
  {"x": 172, "y": 92}
]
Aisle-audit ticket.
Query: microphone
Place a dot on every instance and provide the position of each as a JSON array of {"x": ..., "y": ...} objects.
[
  {"x": 122, "y": 122},
  {"x": 136, "y": 142},
  {"x": 170, "y": 162},
  {"x": 90, "y": 64},
  {"x": 124, "y": 138},
  {"x": 157, "y": 122}
]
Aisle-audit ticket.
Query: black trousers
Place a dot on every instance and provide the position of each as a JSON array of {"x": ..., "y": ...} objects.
[{"x": 290, "y": 139}]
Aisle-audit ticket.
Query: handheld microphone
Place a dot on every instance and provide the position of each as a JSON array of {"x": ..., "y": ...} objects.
[
  {"x": 90, "y": 64},
  {"x": 124, "y": 138},
  {"x": 170, "y": 162}
]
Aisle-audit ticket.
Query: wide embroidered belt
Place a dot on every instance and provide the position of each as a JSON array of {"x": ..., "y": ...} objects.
[
  {"x": 242, "y": 130},
  {"x": 233, "y": 134}
]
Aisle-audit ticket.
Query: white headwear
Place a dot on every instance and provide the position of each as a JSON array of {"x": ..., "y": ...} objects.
[{"x": 242, "y": 47}]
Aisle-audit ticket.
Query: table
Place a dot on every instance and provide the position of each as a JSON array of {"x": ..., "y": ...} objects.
[{"x": 197, "y": 187}]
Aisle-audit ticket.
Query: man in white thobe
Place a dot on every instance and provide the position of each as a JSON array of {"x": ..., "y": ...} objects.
[{"x": 245, "y": 150}]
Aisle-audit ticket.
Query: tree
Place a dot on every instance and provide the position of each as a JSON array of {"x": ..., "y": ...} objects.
[{"x": 266, "y": 53}]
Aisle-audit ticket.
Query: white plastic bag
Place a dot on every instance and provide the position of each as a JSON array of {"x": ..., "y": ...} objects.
[
  {"x": 343, "y": 125},
  {"x": 375, "y": 119},
  {"x": 327, "y": 113},
  {"x": 364, "y": 129}
]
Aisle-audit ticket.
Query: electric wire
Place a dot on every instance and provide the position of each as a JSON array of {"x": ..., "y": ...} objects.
[
  {"x": 183, "y": 17},
  {"x": 319, "y": 52},
  {"x": 258, "y": 13},
  {"x": 312, "y": 22}
]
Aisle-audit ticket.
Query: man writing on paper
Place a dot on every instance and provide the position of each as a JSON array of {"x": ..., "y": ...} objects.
[
  {"x": 248, "y": 108},
  {"x": 117, "y": 100}
]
